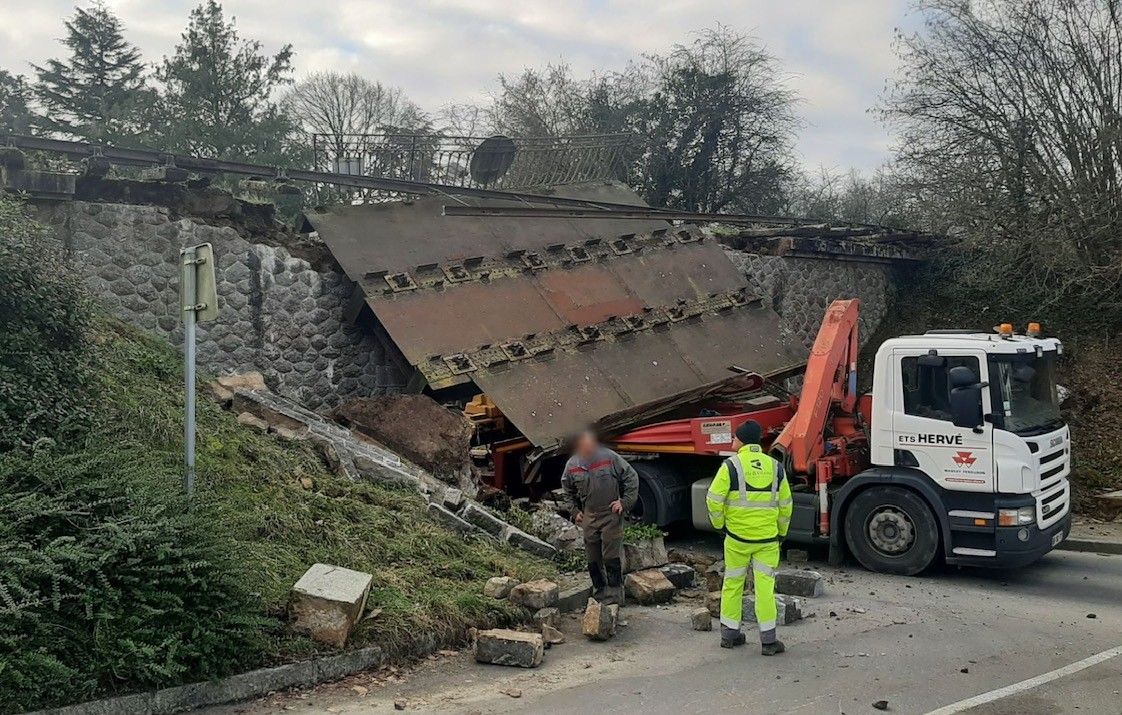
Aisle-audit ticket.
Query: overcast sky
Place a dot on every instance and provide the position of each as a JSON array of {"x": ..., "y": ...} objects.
[{"x": 838, "y": 54}]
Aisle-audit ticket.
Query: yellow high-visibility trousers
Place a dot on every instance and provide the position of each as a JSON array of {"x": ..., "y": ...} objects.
[{"x": 763, "y": 559}]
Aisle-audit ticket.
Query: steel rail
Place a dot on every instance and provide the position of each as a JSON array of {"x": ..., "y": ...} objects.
[{"x": 147, "y": 157}]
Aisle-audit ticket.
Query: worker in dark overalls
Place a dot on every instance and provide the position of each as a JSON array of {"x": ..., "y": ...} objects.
[{"x": 601, "y": 487}]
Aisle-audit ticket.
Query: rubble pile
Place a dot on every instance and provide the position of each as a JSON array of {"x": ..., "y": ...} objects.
[{"x": 417, "y": 427}]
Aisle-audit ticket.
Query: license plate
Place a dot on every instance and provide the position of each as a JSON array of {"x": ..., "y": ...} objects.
[{"x": 1057, "y": 538}]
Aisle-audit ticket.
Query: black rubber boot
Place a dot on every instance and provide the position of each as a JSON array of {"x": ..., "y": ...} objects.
[
  {"x": 596, "y": 573},
  {"x": 772, "y": 648},
  {"x": 614, "y": 592},
  {"x": 732, "y": 638}
]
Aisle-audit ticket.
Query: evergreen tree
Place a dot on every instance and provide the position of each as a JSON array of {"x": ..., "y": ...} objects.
[
  {"x": 15, "y": 96},
  {"x": 97, "y": 93},
  {"x": 218, "y": 92}
]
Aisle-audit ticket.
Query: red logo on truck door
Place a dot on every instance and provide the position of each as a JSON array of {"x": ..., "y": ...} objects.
[{"x": 964, "y": 459}]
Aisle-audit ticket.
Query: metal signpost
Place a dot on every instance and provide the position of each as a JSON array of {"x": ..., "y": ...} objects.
[{"x": 198, "y": 298}]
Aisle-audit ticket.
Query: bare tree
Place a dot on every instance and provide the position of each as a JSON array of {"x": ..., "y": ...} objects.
[
  {"x": 1009, "y": 117},
  {"x": 344, "y": 106}
]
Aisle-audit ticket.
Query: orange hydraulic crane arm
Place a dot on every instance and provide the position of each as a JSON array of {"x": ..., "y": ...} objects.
[{"x": 830, "y": 380}]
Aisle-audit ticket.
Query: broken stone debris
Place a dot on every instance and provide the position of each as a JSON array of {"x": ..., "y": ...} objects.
[
  {"x": 558, "y": 531},
  {"x": 499, "y": 586},
  {"x": 449, "y": 519},
  {"x": 644, "y": 554},
  {"x": 789, "y": 609},
  {"x": 701, "y": 620},
  {"x": 714, "y": 576},
  {"x": 551, "y": 635},
  {"x": 797, "y": 556},
  {"x": 713, "y": 603},
  {"x": 546, "y": 616},
  {"x": 535, "y": 595},
  {"x": 574, "y": 598},
  {"x": 808, "y": 584},
  {"x": 418, "y": 427},
  {"x": 600, "y": 620},
  {"x": 327, "y": 601},
  {"x": 532, "y": 544},
  {"x": 648, "y": 587},
  {"x": 501, "y": 646},
  {"x": 358, "y": 458},
  {"x": 477, "y": 515},
  {"x": 681, "y": 575}
]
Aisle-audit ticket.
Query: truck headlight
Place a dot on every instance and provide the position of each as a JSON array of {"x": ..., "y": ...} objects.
[{"x": 1016, "y": 517}]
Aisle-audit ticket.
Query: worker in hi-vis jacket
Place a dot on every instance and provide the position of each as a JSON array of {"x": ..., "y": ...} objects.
[
  {"x": 601, "y": 487},
  {"x": 750, "y": 501}
]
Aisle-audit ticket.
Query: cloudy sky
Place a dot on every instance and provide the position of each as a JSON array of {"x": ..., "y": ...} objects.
[{"x": 837, "y": 54}]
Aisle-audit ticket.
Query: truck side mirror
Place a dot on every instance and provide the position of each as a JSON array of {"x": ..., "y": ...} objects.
[{"x": 966, "y": 397}]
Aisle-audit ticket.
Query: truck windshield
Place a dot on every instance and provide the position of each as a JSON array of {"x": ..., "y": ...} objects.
[{"x": 1024, "y": 392}]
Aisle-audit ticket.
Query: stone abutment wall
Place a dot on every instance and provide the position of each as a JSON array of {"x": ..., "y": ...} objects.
[{"x": 280, "y": 314}]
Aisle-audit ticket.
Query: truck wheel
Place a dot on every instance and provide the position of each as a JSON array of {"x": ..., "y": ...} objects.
[{"x": 891, "y": 530}]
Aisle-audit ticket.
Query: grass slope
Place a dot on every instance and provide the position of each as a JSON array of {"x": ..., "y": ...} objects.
[
  {"x": 427, "y": 579},
  {"x": 265, "y": 510}
]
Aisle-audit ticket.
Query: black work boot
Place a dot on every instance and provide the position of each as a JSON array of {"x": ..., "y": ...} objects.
[
  {"x": 614, "y": 592},
  {"x": 774, "y": 648},
  {"x": 731, "y": 638},
  {"x": 596, "y": 573}
]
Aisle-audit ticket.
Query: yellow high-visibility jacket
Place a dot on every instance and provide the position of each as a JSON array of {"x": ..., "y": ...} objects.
[{"x": 750, "y": 499}]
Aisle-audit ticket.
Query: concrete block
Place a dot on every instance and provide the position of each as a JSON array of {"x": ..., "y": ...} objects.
[
  {"x": 648, "y": 587},
  {"x": 808, "y": 584},
  {"x": 477, "y": 515},
  {"x": 600, "y": 620},
  {"x": 645, "y": 554},
  {"x": 681, "y": 575},
  {"x": 531, "y": 544},
  {"x": 499, "y": 586},
  {"x": 701, "y": 620},
  {"x": 252, "y": 381},
  {"x": 501, "y": 646},
  {"x": 328, "y": 600},
  {"x": 574, "y": 598},
  {"x": 797, "y": 556},
  {"x": 449, "y": 519},
  {"x": 535, "y": 595},
  {"x": 453, "y": 498},
  {"x": 788, "y": 608}
]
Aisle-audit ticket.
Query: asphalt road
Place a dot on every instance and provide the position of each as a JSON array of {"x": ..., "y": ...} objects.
[{"x": 922, "y": 644}]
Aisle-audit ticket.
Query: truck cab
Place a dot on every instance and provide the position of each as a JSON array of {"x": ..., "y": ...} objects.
[{"x": 969, "y": 422}]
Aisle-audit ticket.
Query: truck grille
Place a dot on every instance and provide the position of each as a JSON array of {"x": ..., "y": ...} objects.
[{"x": 1052, "y": 504}]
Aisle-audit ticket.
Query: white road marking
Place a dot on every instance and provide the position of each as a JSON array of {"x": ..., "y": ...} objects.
[{"x": 1029, "y": 684}]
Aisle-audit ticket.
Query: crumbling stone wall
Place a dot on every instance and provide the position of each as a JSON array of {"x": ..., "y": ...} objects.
[
  {"x": 280, "y": 314},
  {"x": 800, "y": 290}
]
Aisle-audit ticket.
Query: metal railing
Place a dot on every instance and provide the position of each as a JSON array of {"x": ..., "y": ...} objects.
[{"x": 536, "y": 161}]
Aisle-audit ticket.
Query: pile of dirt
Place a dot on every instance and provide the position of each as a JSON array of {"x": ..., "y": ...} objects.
[{"x": 416, "y": 427}]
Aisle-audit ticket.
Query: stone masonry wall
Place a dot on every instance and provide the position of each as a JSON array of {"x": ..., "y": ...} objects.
[
  {"x": 800, "y": 290},
  {"x": 279, "y": 314}
]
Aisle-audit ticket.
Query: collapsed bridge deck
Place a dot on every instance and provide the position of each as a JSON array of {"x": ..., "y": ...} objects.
[{"x": 560, "y": 321}]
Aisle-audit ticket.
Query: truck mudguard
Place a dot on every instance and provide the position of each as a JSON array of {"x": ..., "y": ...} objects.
[{"x": 907, "y": 477}]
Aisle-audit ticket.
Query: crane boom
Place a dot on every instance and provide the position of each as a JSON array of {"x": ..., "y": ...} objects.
[{"x": 829, "y": 387}]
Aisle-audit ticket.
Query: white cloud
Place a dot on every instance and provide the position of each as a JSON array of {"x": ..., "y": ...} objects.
[{"x": 838, "y": 54}]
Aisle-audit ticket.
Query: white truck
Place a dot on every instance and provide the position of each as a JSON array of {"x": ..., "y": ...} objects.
[{"x": 958, "y": 452}]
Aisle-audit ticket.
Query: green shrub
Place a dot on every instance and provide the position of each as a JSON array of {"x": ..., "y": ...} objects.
[
  {"x": 43, "y": 353},
  {"x": 107, "y": 583}
]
